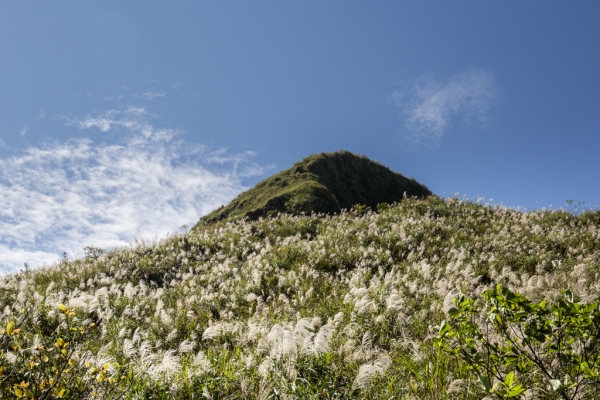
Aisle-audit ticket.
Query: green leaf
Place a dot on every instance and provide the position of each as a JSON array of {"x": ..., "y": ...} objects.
[
  {"x": 587, "y": 370},
  {"x": 444, "y": 328},
  {"x": 486, "y": 383},
  {"x": 515, "y": 390},
  {"x": 10, "y": 327},
  {"x": 510, "y": 379}
]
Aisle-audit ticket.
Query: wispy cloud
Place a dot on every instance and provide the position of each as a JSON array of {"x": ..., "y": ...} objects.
[
  {"x": 114, "y": 97},
  {"x": 62, "y": 196},
  {"x": 23, "y": 131},
  {"x": 41, "y": 114},
  {"x": 152, "y": 95},
  {"x": 130, "y": 119},
  {"x": 429, "y": 106}
]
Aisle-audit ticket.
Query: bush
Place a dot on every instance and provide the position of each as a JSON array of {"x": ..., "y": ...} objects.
[
  {"x": 514, "y": 345},
  {"x": 34, "y": 365}
]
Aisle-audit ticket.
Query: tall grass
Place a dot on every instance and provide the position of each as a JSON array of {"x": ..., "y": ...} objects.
[{"x": 289, "y": 307}]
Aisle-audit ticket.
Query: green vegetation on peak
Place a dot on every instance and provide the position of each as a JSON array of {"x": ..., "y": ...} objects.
[{"x": 321, "y": 183}]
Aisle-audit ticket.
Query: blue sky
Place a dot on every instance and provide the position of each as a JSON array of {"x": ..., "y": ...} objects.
[{"x": 123, "y": 120}]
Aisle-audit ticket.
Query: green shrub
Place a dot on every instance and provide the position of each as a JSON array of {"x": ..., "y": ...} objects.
[{"x": 512, "y": 344}]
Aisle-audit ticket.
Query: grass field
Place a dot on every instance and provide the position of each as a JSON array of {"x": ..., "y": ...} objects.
[{"x": 287, "y": 307}]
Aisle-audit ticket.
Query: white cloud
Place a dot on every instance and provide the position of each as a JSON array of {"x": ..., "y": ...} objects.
[
  {"x": 66, "y": 195},
  {"x": 23, "y": 131},
  {"x": 114, "y": 97},
  {"x": 113, "y": 119},
  {"x": 429, "y": 106},
  {"x": 152, "y": 95}
]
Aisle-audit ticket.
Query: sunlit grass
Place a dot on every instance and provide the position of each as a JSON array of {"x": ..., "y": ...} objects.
[{"x": 293, "y": 307}]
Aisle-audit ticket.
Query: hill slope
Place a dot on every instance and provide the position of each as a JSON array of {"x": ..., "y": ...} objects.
[
  {"x": 323, "y": 183},
  {"x": 292, "y": 307}
]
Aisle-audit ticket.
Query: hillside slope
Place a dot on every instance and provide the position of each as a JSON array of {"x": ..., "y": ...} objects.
[
  {"x": 323, "y": 183},
  {"x": 292, "y": 307}
]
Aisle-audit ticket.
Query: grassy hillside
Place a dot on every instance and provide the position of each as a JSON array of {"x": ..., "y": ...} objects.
[
  {"x": 293, "y": 307},
  {"x": 325, "y": 183}
]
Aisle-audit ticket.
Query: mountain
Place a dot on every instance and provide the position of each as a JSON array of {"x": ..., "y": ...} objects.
[{"x": 321, "y": 183}]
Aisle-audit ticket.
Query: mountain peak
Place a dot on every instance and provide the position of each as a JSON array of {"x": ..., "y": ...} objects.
[{"x": 322, "y": 183}]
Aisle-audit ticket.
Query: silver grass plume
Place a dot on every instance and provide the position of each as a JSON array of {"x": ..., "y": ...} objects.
[
  {"x": 282, "y": 342},
  {"x": 206, "y": 393},
  {"x": 129, "y": 349},
  {"x": 169, "y": 366},
  {"x": 367, "y": 372},
  {"x": 449, "y": 301},
  {"x": 202, "y": 364},
  {"x": 303, "y": 330},
  {"x": 212, "y": 332},
  {"x": 172, "y": 335},
  {"x": 321, "y": 342},
  {"x": 186, "y": 346},
  {"x": 457, "y": 386}
]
